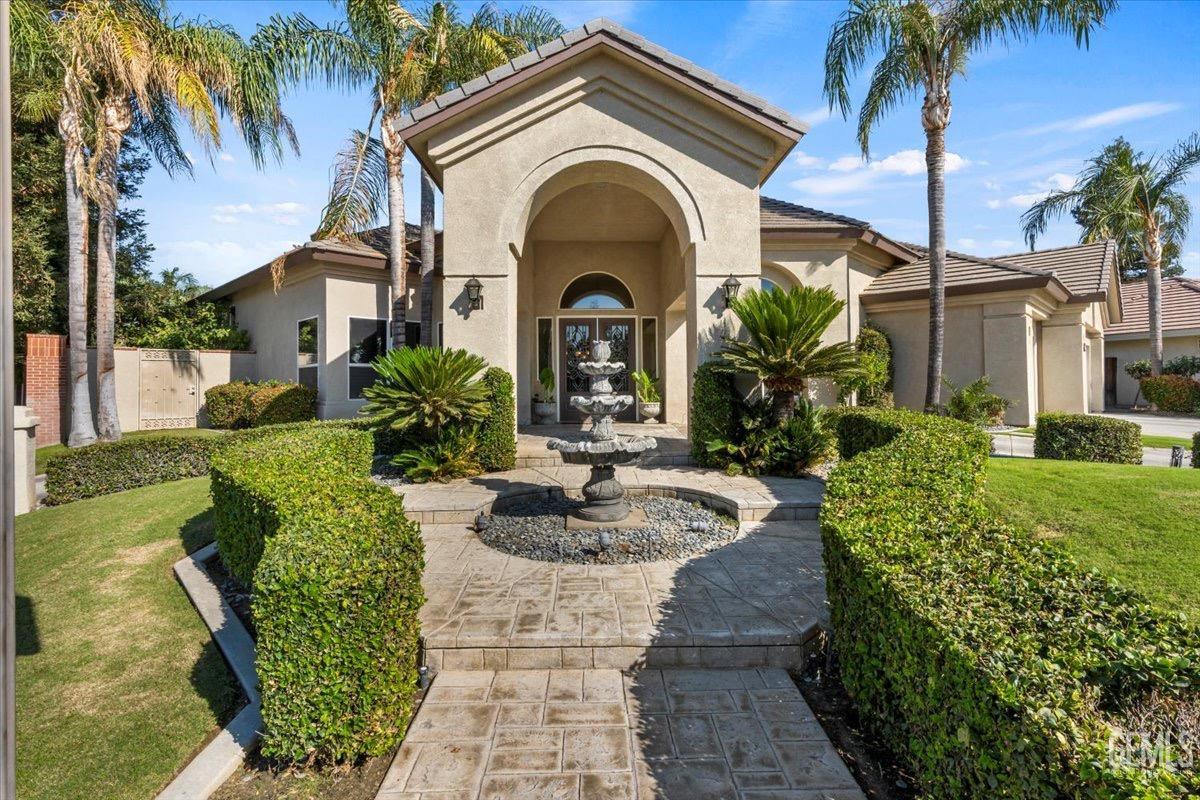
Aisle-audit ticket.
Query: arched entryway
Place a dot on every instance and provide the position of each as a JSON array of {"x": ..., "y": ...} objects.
[{"x": 601, "y": 258}]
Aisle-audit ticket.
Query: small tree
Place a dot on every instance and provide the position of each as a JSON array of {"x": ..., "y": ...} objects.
[
  {"x": 1138, "y": 370},
  {"x": 783, "y": 347}
]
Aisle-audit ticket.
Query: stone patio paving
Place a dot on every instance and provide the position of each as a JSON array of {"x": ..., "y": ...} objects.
[{"x": 587, "y": 734}]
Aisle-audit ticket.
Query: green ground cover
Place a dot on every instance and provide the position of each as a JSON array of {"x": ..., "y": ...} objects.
[
  {"x": 118, "y": 681},
  {"x": 1140, "y": 525}
]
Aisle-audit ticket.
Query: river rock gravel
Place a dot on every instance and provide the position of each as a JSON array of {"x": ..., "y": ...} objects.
[{"x": 536, "y": 529}]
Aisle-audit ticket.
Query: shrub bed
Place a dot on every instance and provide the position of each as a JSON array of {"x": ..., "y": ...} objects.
[
  {"x": 335, "y": 569},
  {"x": 244, "y": 404},
  {"x": 497, "y": 449},
  {"x": 1174, "y": 393},
  {"x": 1085, "y": 437},
  {"x": 116, "y": 466},
  {"x": 990, "y": 663},
  {"x": 713, "y": 414}
]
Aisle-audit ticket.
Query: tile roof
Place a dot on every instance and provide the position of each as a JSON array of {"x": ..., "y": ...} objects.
[
  {"x": 1180, "y": 307},
  {"x": 660, "y": 56},
  {"x": 1082, "y": 271},
  {"x": 777, "y": 214}
]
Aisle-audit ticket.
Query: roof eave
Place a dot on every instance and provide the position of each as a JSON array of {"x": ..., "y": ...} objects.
[{"x": 1050, "y": 283}]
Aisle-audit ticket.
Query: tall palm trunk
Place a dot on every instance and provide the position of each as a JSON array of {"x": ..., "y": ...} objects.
[
  {"x": 427, "y": 259},
  {"x": 117, "y": 118},
  {"x": 83, "y": 431},
  {"x": 1154, "y": 296},
  {"x": 393, "y": 147},
  {"x": 935, "y": 116}
]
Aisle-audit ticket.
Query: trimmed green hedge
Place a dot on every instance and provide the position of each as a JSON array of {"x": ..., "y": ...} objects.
[
  {"x": 227, "y": 404},
  {"x": 1174, "y": 393},
  {"x": 713, "y": 414},
  {"x": 986, "y": 660},
  {"x": 1086, "y": 437},
  {"x": 110, "y": 467},
  {"x": 497, "y": 448},
  {"x": 335, "y": 569},
  {"x": 245, "y": 404}
]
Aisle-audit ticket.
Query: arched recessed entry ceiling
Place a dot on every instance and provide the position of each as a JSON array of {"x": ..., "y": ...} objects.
[
  {"x": 596, "y": 290},
  {"x": 601, "y": 212}
]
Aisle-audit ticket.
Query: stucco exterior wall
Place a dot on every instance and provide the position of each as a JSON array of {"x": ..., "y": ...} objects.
[
  {"x": 346, "y": 296},
  {"x": 908, "y": 329},
  {"x": 597, "y": 119},
  {"x": 271, "y": 319},
  {"x": 1127, "y": 350}
]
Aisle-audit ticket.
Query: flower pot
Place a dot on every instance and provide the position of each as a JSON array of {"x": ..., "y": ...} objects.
[
  {"x": 544, "y": 412},
  {"x": 650, "y": 412}
]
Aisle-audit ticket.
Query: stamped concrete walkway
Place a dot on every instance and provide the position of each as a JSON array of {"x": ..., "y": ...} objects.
[
  {"x": 656, "y": 681},
  {"x": 587, "y": 734}
]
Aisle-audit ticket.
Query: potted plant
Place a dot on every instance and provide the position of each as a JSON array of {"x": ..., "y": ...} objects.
[
  {"x": 649, "y": 397},
  {"x": 544, "y": 406}
]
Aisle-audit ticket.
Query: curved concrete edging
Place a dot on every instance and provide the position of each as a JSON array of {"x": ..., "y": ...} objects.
[{"x": 213, "y": 765}]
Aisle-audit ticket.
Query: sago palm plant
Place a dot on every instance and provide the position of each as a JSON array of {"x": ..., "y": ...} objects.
[
  {"x": 421, "y": 390},
  {"x": 783, "y": 347}
]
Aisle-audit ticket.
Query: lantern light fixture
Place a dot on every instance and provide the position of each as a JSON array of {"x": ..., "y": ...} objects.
[
  {"x": 731, "y": 287},
  {"x": 474, "y": 293}
]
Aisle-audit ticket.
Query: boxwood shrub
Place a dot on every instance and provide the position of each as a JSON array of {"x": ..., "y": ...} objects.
[
  {"x": 227, "y": 404},
  {"x": 497, "y": 447},
  {"x": 336, "y": 574},
  {"x": 1086, "y": 437},
  {"x": 713, "y": 413},
  {"x": 110, "y": 467},
  {"x": 1174, "y": 393},
  {"x": 988, "y": 661},
  {"x": 278, "y": 403}
]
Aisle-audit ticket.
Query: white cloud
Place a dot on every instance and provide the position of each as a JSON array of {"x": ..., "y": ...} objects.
[
  {"x": 816, "y": 116},
  {"x": 285, "y": 213},
  {"x": 759, "y": 21},
  {"x": 805, "y": 161},
  {"x": 225, "y": 219},
  {"x": 1003, "y": 244},
  {"x": 288, "y": 207},
  {"x": 967, "y": 244},
  {"x": 234, "y": 208},
  {"x": 1058, "y": 182},
  {"x": 228, "y": 159},
  {"x": 852, "y": 174},
  {"x": 1191, "y": 263},
  {"x": 221, "y": 259},
  {"x": 1104, "y": 119}
]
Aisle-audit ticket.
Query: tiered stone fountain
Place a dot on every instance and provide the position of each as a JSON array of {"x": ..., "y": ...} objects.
[{"x": 603, "y": 450}]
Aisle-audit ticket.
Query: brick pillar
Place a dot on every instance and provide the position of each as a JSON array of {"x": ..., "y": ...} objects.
[{"x": 46, "y": 390}]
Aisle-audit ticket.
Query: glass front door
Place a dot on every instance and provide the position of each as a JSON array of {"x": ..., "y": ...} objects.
[{"x": 576, "y": 335}]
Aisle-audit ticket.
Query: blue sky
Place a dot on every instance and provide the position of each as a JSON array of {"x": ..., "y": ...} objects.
[{"x": 1024, "y": 121}]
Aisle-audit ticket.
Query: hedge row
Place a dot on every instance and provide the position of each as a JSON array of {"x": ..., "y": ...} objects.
[
  {"x": 1174, "y": 393},
  {"x": 987, "y": 661},
  {"x": 1086, "y": 437},
  {"x": 497, "y": 447},
  {"x": 335, "y": 569},
  {"x": 712, "y": 413},
  {"x": 244, "y": 404}
]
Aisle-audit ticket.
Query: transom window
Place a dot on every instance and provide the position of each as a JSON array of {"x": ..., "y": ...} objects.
[{"x": 597, "y": 290}]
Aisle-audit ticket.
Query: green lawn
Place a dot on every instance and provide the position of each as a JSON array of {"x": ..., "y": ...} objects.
[
  {"x": 1139, "y": 524},
  {"x": 48, "y": 452},
  {"x": 118, "y": 681},
  {"x": 1148, "y": 440}
]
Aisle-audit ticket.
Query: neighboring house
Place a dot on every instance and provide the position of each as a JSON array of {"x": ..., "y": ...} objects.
[
  {"x": 604, "y": 187},
  {"x": 1130, "y": 339}
]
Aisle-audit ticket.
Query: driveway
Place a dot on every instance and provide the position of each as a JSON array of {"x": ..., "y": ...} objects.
[{"x": 1159, "y": 424}]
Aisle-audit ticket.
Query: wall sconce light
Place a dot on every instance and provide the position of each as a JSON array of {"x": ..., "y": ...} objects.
[
  {"x": 475, "y": 293},
  {"x": 731, "y": 287}
]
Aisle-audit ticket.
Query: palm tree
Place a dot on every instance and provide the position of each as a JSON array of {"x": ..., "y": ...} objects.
[
  {"x": 1138, "y": 201},
  {"x": 413, "y": 58},
  {"x": 125, "y": 65},
  {"x": 783, "y": 349},
  {"x": 923, "y": 44}
]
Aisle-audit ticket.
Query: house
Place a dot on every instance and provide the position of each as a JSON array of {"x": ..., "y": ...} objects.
[
  {"x": 1129, "y": 340},
  {"x": 602, "y": 187}
]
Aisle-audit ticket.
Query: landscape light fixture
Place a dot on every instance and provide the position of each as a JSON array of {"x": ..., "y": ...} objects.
[{"x": 731, "y": 287}]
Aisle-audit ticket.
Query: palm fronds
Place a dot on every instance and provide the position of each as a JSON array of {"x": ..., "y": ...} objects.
[
  {"x": 422, "y": 389},
  {"x": 358, "y": 188}
]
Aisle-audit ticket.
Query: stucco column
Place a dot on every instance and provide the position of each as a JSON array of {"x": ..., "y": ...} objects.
[
  {"x": 490, "y": 331},
  {"x": 24, "y": 458},
  {"x": 1064, "y": 363},
  {"x": 1009, "y": 359},
  {"x": 1096, "y": 372}
]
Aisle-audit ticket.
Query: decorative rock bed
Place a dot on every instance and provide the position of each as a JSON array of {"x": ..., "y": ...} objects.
[{"x": 536, "y": 529}]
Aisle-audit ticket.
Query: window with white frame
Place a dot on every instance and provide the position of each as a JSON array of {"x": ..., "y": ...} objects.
[{"x": 368, "y": 339}]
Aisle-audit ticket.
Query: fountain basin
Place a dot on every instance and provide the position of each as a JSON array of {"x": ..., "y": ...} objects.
[{"x": 622, "y": 450}]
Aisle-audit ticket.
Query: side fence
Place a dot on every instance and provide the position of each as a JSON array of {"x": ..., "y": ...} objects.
[{"x": 156, "y": 388}]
